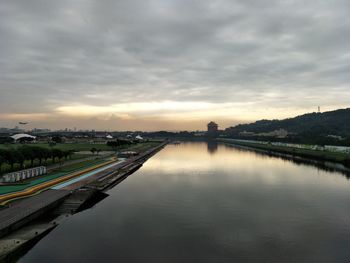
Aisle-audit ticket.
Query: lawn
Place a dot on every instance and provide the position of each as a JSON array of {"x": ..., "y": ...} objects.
[
  {"x": 5, "y": 168},
  {"x": 86, "y": 146},
  {"x": 48, "y": 177},
  {"x": 65, "y": 146},
  {"x": 140, "y": 147}
]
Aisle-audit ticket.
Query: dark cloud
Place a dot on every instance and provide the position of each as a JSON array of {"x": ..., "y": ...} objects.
[{"x": 56, "y": 53}]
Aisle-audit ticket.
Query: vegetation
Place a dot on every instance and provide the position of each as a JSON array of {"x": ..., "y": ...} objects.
[
  {"x": 313, "y": 128},
  {"x": 77, "y": 166},
  {"x": 25, "y": 156},
  {"x": 15, "y": 157},
  {"x": 118, "y": 143},
  {"x": 61, "y": 171},
  {"x": 76, "y": 147},
  {"x": 307, "y": 153}
]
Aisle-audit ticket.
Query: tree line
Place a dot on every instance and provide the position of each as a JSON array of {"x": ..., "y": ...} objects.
[
  {"x": 118, "y": 142},
  {"x": 30, "y": 154}
]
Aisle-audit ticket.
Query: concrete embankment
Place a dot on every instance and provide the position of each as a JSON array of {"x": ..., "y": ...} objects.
[
  {"x": 22, "y": 240},
  {"x": 27, "y": 210},
  {"x": 17, "y": 218}
]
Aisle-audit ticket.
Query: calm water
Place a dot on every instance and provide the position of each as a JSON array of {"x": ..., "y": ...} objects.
[{"x": 205, "y": 203}]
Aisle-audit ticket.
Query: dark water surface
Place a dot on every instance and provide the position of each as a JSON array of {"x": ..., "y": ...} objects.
[{"x": 196, "y": 202}]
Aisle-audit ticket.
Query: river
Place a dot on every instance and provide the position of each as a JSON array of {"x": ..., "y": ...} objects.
[{"x": 200, "y": 202}]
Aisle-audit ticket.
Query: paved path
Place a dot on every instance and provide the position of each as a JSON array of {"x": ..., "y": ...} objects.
[{"x": 22, "y": 209}]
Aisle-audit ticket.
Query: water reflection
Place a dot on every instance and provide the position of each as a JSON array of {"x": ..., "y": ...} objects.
[
  {"x": 212, "y": 147},
  {"x": 323, "y": 165},
  {"x": 188, "y": 205}
]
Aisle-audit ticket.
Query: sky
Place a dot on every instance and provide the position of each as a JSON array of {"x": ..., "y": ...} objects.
[{"x": 170, "y": 64}]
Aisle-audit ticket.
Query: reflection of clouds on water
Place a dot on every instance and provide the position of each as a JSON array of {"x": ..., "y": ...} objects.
[
  {"x": 187, "y": 205},
  {"x": 192, "y": 161}
]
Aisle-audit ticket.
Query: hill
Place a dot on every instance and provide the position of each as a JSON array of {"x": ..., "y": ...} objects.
[{"x": 321, "y": 128}]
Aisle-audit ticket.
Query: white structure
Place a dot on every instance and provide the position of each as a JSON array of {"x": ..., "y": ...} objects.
[
  {"x": 24, "y": 174},
  {"x": 342, "y": 149},
  {"x": 138, "y": 137},
  {"x": 19, "y": 136},
  {"x": 109, "y": 136}
]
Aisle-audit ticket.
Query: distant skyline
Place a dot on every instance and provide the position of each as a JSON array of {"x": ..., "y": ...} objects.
[{"x": 170, "y": 65}]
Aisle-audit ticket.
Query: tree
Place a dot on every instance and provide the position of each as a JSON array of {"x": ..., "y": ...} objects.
[
  {"x": 47, "y": 153},
  {"x": 93, "y": 150},
  {"x": 28, "y": 154},
  {"x": 10, "y": 157},
  {"x": 113, "y": 144},
  {"x": 2, "y": 158},
  {"x": 57, "y": 139},
  {"x": 68, "y": 154},
  {"x": 19, "y": 158},
  {"x": 39, "y": 153},
  {"x": 56, "y": 153}
]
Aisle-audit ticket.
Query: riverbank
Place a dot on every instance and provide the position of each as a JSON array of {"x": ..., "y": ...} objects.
[
  {"x": 336, "y": 157},
  {"x": 80, "y": 192}
]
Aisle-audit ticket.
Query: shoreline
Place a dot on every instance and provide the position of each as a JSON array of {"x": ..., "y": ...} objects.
[
  {"x": 73, "y": 201},
  {"x": 334, "y": 161}
]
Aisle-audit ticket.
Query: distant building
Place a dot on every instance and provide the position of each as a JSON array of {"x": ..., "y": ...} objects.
[
  {"x": 213, "y": 127},
  {"x": 139, "y": 138},
  {"x": 23, "y": 137}
]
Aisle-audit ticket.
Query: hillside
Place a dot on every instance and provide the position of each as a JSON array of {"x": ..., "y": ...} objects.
[{"x": 327, "y": 127}]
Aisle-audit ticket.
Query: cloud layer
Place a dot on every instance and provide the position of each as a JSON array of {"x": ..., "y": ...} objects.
[{"x": 132, "y": 60}]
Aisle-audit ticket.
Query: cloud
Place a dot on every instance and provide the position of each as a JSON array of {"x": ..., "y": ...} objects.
[{"x": 287, "y": 56}]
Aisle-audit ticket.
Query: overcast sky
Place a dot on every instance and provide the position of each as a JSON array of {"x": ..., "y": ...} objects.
[{"x": 161, "y": 64}]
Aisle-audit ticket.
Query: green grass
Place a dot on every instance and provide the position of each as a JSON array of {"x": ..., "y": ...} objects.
[
  {"x": 64, "y": 146},
  {"x": 53, "y": 175},
  {"x": 140, "y": 147},
  {"x": 77, "y": 166},
  {"x": 308, "y": 153},
  {"x": 38, "y": 180},
  {"x": 85, "y": 146},
  {"x": 5, "y": 168},
  {"x": 71, "y": 168}
]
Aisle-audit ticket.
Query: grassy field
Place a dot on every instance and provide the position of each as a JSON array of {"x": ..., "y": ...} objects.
[
  {"x": 53, "y": 175},
  {"x": 65, "y": 146},
  {"x": 140, "y": 147},
  {"x": 84, "y": 146},
  {"x": 307, "y": 153},
  {"x": 78, "y": 166},
  {"x": 7, "y": 168}
]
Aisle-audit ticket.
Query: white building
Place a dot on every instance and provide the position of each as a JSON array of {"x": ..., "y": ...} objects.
[{"x": 21, "y": 136}]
